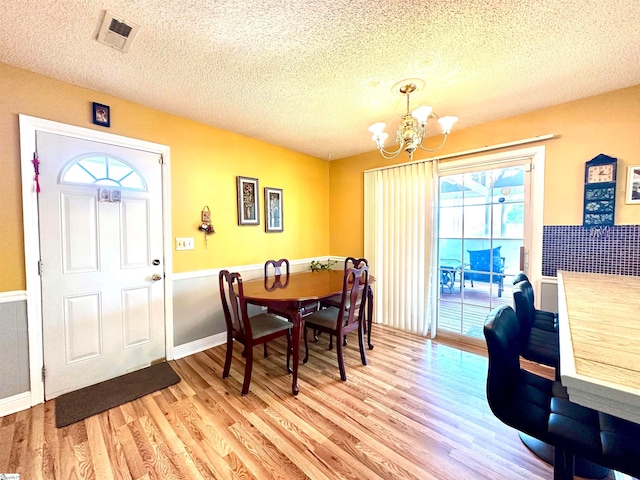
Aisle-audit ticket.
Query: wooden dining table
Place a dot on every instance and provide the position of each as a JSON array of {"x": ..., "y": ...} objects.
[
  {"x": 599, "y": 323},
  {"x": 296, "y": 293}
]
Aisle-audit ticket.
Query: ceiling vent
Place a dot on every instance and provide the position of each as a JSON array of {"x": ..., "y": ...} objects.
[{"x": 116, "y": 32}]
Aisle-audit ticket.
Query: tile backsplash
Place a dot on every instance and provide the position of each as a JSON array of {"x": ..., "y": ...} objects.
[{"x": 614, "y": 250}]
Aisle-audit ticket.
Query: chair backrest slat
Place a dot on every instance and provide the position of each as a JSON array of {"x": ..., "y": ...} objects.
[
  {"x": 277, "y": 266},
  {"x": 354, "y": 294},
  {"x": 351, "y": 262},
  {"x": 233, "y": 303}
]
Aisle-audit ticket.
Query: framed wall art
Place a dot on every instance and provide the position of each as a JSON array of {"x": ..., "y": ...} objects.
[
  {"x": 101, "y": 115},
  {"x": 633, "y": 184},
  {"x": 273, "y": 210},
  {"x": 248, "y": 201}
]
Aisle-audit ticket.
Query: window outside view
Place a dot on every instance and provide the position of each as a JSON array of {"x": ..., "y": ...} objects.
[{"x": 481, "y": 232}]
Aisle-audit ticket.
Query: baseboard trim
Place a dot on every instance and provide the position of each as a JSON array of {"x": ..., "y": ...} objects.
[
  {"x": 199, "y": 345},
  {"x": 14, "y": 404}
]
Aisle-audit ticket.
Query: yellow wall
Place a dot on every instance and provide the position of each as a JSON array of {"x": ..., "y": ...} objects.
[
  {"x": 323, "y": 201},
  {"x": 608, "y": 123},
  {"x": 204, "y": 164}
]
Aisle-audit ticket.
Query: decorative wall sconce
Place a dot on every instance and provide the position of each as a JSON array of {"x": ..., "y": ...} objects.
[{"x": 205, "y": 225}]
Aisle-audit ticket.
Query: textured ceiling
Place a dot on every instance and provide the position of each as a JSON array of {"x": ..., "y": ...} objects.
[{"x": 313, "y": 75}]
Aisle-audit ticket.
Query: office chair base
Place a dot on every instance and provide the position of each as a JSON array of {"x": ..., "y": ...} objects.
[{"x": 583, "y": 468}]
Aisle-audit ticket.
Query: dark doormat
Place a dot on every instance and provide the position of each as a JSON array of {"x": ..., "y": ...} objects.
[{"x": 75, "y": 406}]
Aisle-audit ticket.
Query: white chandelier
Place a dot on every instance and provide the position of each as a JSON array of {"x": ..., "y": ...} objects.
[{"x": 411, "y": 131}]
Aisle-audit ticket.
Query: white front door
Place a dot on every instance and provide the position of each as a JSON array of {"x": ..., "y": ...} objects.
[{"x": 100, "y": 211}]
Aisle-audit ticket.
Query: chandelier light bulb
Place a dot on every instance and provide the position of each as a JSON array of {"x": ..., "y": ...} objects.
[
  {"x": 381, "y": 138},
  {"x": 446, "y": 123},
  {"x": 377, "y": 128},
  {"x": 422, "y": 113}
]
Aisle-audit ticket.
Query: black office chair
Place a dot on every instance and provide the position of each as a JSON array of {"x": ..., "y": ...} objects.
[
  {"x": 541, "y": 345},
  {"x": 542, "y": 318},
  {"x": 541, "y": 408},
  {"x": 519, "y": 277}
]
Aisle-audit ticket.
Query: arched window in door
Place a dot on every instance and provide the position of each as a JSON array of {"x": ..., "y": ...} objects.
[{"x": 104, "y": 170}]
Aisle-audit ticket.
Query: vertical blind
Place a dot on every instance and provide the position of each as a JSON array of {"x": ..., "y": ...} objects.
[{"x": 398, "y": 244}]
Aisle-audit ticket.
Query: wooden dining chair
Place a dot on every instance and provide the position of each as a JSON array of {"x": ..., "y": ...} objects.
[
  {"x": 334, "y": 301},
  {"x": 249, "y": 331},
  {"x": 349, "y": 262},
  {"x": 280, "y": 276},
  {"x": 277, "y": 266},
  {"x": 348, "y": 317}
]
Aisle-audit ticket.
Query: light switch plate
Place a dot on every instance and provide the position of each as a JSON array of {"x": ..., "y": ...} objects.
[{"x": 184, "y": 243}]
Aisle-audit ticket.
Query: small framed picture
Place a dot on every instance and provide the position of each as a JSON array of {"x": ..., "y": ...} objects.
[
  {"x": 633, "y": 184},
  {"x": 248, "y": 201},
  {"x": 273, "y": 210},
  {"x": 101, "y": 115}
]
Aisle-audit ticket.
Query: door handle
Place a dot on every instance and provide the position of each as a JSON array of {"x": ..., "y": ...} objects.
[{"x": 155, "y": 277}]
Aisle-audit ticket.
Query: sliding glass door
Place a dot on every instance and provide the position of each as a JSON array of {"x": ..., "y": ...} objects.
[{"x": 483, "y": 233}]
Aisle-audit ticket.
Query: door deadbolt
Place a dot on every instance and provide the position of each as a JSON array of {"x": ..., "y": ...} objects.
[
  {"x": 155, "y": 277},
  {"x": 156, "y": 262}
]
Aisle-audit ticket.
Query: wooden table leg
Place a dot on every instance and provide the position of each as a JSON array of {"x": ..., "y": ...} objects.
[
  {"x": 369, "y": 316},
  {"x": 295, "y": 338}
]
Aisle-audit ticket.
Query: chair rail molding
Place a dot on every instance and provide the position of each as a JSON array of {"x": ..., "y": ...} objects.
[{"x": 15, "y": 296}]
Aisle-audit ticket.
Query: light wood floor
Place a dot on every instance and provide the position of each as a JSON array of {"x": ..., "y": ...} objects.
[{"x": 417, "y": 411}]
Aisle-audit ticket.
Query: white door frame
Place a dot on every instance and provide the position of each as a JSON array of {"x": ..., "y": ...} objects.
[
  {"x": 28, "y": 127},
  {"x": 533, "y": 231},
  {"x": 533, "y": 236}
]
